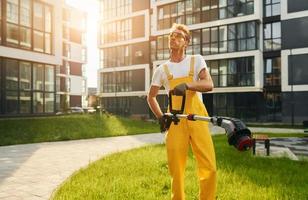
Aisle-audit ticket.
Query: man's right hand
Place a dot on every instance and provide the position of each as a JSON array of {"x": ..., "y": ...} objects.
[{"x": 164, "y": 122}]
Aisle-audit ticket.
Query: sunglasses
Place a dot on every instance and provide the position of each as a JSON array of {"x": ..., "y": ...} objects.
[{"x": 177, "y": 35}]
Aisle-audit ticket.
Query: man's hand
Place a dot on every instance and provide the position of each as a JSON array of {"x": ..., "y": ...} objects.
[
  {"x": 164, "y": 122},
  {"x": 180, "y": 89}
]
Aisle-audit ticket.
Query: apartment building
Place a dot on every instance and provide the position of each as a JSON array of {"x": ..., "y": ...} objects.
[
  {"x": 124, "y": 74},
  {"x": 30, "y": 57},
  {"x": 256, "y": 59},
  {"x": 73, "y": 88}
]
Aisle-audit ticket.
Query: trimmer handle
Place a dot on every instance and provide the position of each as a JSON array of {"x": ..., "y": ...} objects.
[{"x": 170, "y": 103}]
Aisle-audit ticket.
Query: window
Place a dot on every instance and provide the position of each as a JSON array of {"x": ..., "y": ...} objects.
[
  {"x": 19, "y": 27},
  {"x": 49, "y": 78},
  {"x": 38, "y": 102},
  {"x": 24, "y": 86},
  {"x": 194, "y": 47},
  {"x": 25, "y": 76},
  {"x": 232, "y": 72},
  {"x": 12, "y": 34},
  {"x": 162, "y": 47},
  {"x": 206, "y": 41},
  {"x": 117, "y": 56},
  {"x": 49, "y": 102},
  {"x": 198, "y": 11},
  {"x": 118, "y": 31},
  {"x": 297, "y": 69},
  {"x": 271, "y": 8},
  {"x": 38, "y": 77},
  {"x": 272, "y": 71},
  {"x": 38, "y": 44},
  {"x": 12, "y": 11},
  {"x": 221, "y": 39},
  {"x": 272, "y": 36},
  {"x": 120, "y": 81},
  {"x": 116, "y": 8},
  {"x": 11, "y": 74}
]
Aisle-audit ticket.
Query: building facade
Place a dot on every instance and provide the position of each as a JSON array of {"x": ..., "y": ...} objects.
[
  {"x": 257, "y": 62},
  {"x": 30, "y": 57},
  {"x": 73, "y": 88},
  {"x": 124, "y": 75}
]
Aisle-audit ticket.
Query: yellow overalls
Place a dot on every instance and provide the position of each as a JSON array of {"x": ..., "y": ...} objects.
[{"x": 188, "y": 132}]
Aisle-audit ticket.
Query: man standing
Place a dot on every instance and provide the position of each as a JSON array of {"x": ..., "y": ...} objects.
[{"x": 185, "y": 75}]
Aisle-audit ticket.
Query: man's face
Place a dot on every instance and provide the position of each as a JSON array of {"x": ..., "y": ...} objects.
[{"x": 177, "y": 39}]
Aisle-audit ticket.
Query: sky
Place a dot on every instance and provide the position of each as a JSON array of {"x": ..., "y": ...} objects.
[{"x": 92, "y": 9}]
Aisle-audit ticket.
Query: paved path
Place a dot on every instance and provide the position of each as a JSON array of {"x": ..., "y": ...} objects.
[{"x": 33, "y": 171}]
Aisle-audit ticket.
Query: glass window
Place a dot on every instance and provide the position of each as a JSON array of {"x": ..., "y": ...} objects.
[
  {"x": 268, "y": 66},
  {"x": 38, "y": 77},
  {"x": 267, "y": 31},
  {"x": 38, "y": 20},
  {"x": 12, "y": 33},
  {"x": 47, "y": 43},
  {"x": 25, "y": 102},
  {"x": 196, "y": 37},
  {"x": 38, "y": 102},
  {"x": 25, "y": 13},
  {"x": 25, "y": 37},
  {"x": 11, "y": 74},
  {"x": 231, "y": 32},
  {"x": 47, "y": 19},
  {"x": 49, "y": 78},
  {"x": 214, "y": 34},
  {"x": 12, "y": 11},
  {"x": 49, "y": 102},
  {"x": 11, "y": 102},
  {"x": 38, "y": 41},
  {"x": 25, "y": 76},
  {"x": 249, "y": 8},
  {"x": 251, "y": 29},
  {"x": 241, "y": 28},
  {"x": 276, "y": 30},
  {"x": 222, "y": 13},
  {"x": 206, "y": 35},
  {"x": 251, "y": 43},
  {"x": 272, "y": 8},
  {"x": 223, "y": 39},
  {"x": 222, "y": 3},
  {"x": 272, "y": 36}
]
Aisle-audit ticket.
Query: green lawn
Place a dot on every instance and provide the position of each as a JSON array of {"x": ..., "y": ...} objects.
[
  {"x": 143, "y": 174},
  {"x": 69, "y": 127}
]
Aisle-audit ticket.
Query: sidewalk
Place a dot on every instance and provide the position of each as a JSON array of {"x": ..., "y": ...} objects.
[{"x": 33, "y": 171}]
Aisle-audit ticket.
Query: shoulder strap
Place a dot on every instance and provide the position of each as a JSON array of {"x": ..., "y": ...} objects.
[
  {"x": 192, "y": 66},
  {"x": 169, "y": 75}
]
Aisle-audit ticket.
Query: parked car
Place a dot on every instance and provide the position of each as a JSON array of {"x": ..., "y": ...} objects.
[
  {"x": 76, "y": 110},
  {"x": 89, "y": 110}
]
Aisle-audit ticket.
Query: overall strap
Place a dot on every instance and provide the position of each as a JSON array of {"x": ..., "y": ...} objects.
[
  {"x": 169, "y": 75},
  {"x": 192, "y": 66}
]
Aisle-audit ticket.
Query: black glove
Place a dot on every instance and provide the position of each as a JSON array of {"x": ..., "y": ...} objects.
[
  {"x": 164, "y": 123},
  {"x": 180, "y": 90}
]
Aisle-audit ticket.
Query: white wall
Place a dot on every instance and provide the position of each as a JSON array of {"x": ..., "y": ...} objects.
[{"x": 76, "y": 85}]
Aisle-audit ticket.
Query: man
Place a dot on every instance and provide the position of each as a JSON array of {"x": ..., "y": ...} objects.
[{"x": 185, "y": 75}]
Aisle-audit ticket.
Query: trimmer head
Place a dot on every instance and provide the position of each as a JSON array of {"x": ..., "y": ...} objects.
[{"x": 241, "y": 139}]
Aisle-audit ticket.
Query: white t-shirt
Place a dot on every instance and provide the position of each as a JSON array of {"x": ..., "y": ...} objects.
[{"x": 178, "y": 70}]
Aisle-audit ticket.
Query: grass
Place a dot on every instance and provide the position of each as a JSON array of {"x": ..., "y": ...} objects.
[
  {"x": 143, "y": 174},
  {"x": 69, "y": 127}
]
